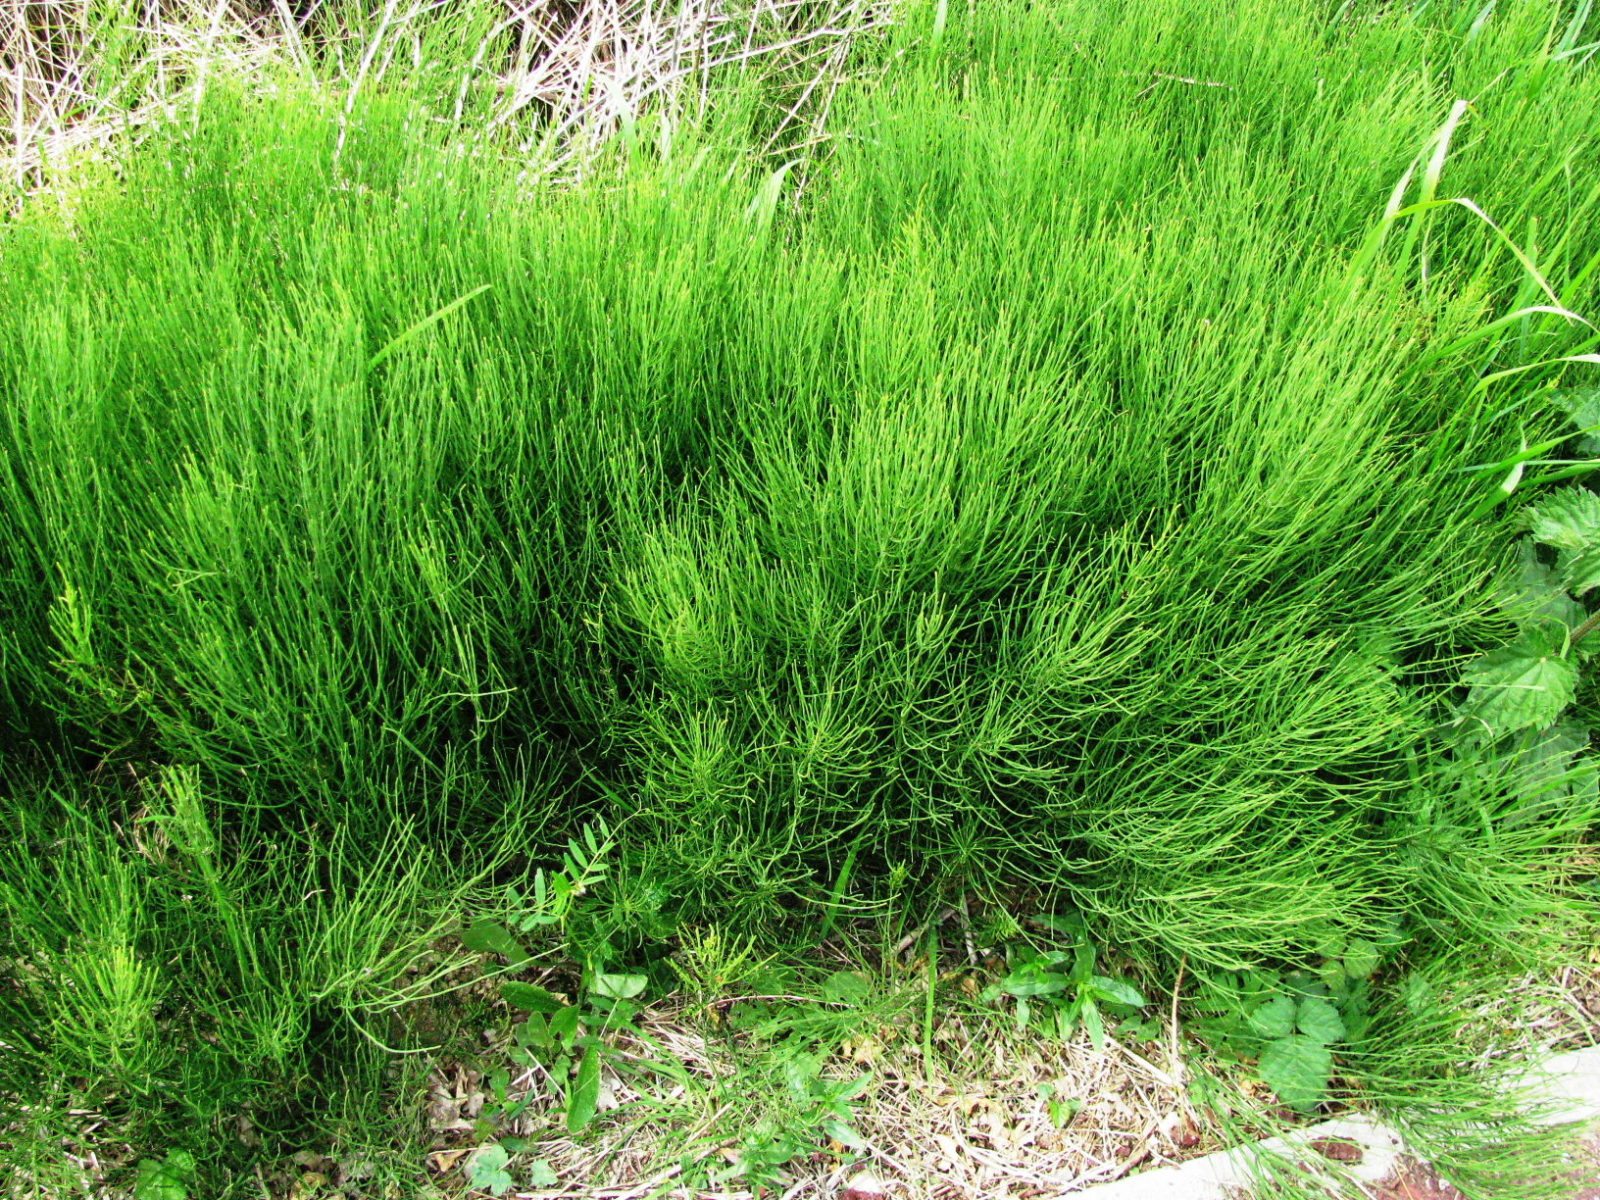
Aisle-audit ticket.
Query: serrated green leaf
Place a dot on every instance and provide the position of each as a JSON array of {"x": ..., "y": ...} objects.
[
  {"x": 487, "y": 1170},
  {"x": 1333, "y": 974},
  {"x": 1527, "y": 685},
  {"x": 166, "y": 1180},
  {"x": 1568, "y": 519},
  {"x": 1539, "y": 596},
  {"x": 1583, "y": 406},
  {"x": 1273, "y": 1019},
  {"x": 1297, "y": 1068},
  {"x": 585, "y": 1096},
  {"x": 542, "y": 1174},
  {"x": 1580, "y": 570},
  {"x": 1319, "y": 1021},
  {"x": 1361, "y": 958},
  {"x": 531, "y": 998}
]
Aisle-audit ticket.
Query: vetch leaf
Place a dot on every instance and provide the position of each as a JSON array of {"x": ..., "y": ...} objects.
[
  {"x": 1297, "y": 1068},
  {"x": 1319, "y": 1020},
  {"x": 1526, "y": 685}
]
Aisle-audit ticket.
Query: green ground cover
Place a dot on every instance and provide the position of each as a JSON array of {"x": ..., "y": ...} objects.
[{"x": 1080, "y": 486}]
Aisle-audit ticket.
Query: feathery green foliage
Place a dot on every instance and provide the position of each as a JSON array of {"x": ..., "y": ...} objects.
[{"x": 1068, "y": 480}]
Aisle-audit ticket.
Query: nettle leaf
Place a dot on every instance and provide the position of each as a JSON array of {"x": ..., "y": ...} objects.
[
  {"x": 1568, "y": 520},
  {"x": 1580, "y": 570},
  {"x": 1527, "y": 685},
  {"x": 1274, "y": 1019},
  {"x": 1319, "y": 1021},
  {"x": 1297, "y": 1067},
  {"x": 1583, "y": 406},
  {"x": 1540, "y": 595}
]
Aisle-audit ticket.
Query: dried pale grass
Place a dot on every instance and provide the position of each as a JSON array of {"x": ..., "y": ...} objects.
[
  {"x": 976, "y": 1125},
  {"x": 565, "y": 74}
]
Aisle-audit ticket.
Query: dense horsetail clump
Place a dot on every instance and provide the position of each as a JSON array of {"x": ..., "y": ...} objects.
[{"x": 1063, "y": 482}]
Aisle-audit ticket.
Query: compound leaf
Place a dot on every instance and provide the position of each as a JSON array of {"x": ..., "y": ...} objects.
[
  {"x": 1297, "y": 1068},
  {"x": 1274, "y": 1019},
  {"x": 1319, "y": 1021}
]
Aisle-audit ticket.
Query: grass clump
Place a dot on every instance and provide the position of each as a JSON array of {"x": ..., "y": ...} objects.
[{"x": 1068, "y": 482}]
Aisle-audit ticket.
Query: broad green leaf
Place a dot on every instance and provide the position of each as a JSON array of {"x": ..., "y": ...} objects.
[
  {"x": 1527, "y": 685},
  {"x": 564, "y": 1023},
  {"x": 531, "y": 998},
  {"x": 487, "y": 1170},
  {"x": 1549, "y": 764},
  {"x": 484, "y": 936},
  {"x": 1116, "y": 991},
  {"x": 1297, "y": 1068},
  {"x": 1031, "y": 981},
  {"x": 166, "y": 1180},
  {"x": 847, "y": 1137},
  {"x": 1568, "y": 519},
  {"x": 846, "y": 987},
  {"x": 1333, "y": 975},
  {"x": 585, "y": 1094},
  {"x": 1071, "y": 924},
  {"x": 619, "y": 987},
  {"x": 1319, "y": 1020},
  {"x": 1273, "y": 1019},
  {"x": 1361, "y": 958},
  {"x": 1094, "y": 1024}
]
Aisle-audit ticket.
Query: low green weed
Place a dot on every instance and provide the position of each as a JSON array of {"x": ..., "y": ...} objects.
[{"x": 1057, "y": 990}]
